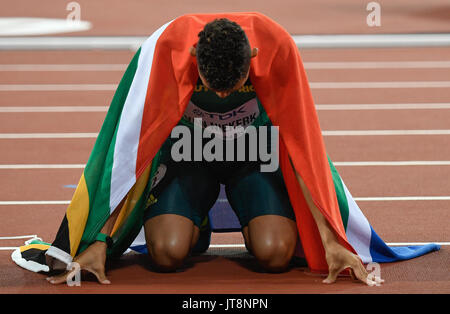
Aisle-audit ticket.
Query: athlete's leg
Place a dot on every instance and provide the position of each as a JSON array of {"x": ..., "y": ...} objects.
[
  {"x": 272, "y": 240},
  {"x": 262, "y": 205},
  {"x": 181, "y": 200},
  {"x": 170, "y": 238}
]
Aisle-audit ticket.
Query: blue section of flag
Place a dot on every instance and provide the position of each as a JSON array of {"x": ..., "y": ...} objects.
[
  {"x": 70, "y": 186},
  {"x": 382, "y": 253},
  {"x": 222, "y": 216},
  {"x": 140, "y": 248}
]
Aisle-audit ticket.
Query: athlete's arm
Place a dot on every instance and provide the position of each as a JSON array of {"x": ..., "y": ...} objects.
[
  {"x": 93, "y": 259},
  {"x": 338, "y": 257}
]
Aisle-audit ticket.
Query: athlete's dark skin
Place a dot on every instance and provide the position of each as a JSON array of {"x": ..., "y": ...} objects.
[{"x": 271, "y": 238}]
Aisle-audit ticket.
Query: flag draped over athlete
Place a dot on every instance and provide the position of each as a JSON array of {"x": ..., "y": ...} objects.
[{"x": 151, "y": 99}]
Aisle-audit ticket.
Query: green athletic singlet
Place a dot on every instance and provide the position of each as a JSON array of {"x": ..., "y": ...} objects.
[{"x": 190, "y": 188}]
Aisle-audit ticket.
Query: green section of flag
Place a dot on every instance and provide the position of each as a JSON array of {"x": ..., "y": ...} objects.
[
  {"x": 98, "y": 169},
  {"x": 39, "y": 242}
]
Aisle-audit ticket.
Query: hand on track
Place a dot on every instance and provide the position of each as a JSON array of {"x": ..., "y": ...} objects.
[
  {"x": 91, "y": 260},
  {"x": 339, "y": 258}
]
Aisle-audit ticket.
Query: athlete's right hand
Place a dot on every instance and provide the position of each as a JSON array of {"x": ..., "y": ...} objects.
[{"x": 91, "y": 260}]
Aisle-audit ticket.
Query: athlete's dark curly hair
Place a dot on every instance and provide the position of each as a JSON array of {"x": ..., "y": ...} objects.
[{"x": 223, "y": 54}]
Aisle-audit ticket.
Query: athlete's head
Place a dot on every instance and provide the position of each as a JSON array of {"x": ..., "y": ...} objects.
[{"x": 223, "y": 56}]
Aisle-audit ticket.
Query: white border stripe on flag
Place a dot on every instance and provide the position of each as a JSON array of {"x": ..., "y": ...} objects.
[
  {"x": 358, "y": 230},
  {"x": 123, "y": 174}
]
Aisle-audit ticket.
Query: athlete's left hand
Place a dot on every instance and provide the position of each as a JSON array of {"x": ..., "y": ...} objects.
[{"x": 339, "y": 258}]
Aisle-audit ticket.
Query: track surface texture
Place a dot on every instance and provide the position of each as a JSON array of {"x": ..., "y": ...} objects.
[{"x": 33, "y": 122}]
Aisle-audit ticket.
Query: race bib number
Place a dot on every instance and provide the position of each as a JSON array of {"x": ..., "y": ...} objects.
[{"x": 242, "y": 116}]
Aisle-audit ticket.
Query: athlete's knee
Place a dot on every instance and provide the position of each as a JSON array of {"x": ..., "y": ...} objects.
[
  {"x": 168, "y": 240},
  {"x": 168, "y": 254},
  {"x": 273, "y": 254}
]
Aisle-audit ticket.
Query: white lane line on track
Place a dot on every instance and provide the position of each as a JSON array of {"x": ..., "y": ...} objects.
[
  {"x": 404, "y": 106},
  {"x": 313, "y": 85},
  {"x": 319, "y": 107},
  {"x": 43, "y": 166},
  {"x": 34, "y": 109},
  {"x": 221, "y": 246},
  {"x": 391, "y": 163},
  {"x": 376, "y": 65},
  {"x": 302, "y": 41},
  {"x": 34, "y": 236},
  {"x": 358, "y": 199},
  {"x": 324, "y": 107},
  {"x": 7, "y": 248},
  {"x": 337, "y": 164},
  {"x": 213, "y": 246},
  {"x": 384, "y": 132},
  {"x": 63, "y": 67},
  {"x": 393, "y": 84},
  {"x": 46, "y": 135},
  {"x": 29, "y": 26},
  {"x": 56, "y": 87},
  {"x": 402, "y": 198},
  {"x": 329, "y": 65},
  {"x": 416, "y": 243},
  {"x": 372, "y": 40},
  {"x": 35, "y": 202},
  {"x": 324, "y": 133},
  {"x": 239, "y": 245}
]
